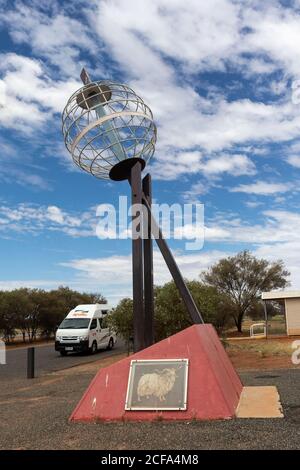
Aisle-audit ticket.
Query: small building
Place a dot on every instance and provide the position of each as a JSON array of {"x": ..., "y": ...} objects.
[{"x": 290, "y": 302}]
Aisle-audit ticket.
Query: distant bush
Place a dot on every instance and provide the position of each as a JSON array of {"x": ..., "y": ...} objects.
[{"x": 33, "y": 311}]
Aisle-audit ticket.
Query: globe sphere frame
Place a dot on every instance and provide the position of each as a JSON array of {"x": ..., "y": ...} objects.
[{"x": 105, "y": 123}]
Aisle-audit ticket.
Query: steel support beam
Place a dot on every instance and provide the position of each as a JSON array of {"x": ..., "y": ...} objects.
[
  {"x": 137, "y": 263},
  {"x": 148, "y": 267}
]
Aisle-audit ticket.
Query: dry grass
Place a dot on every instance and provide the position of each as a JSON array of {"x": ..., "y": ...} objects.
[{"x": 263, "y": 347}]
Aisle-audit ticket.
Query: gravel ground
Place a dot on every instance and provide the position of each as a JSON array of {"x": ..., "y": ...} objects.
[{"x": 34, "y": 415}]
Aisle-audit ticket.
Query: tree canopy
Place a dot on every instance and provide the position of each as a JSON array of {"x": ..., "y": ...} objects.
[
  {"x": 242, "y": 278},
  {"x": 35, "y": 310},
  {"x": 170, "y": 314}
]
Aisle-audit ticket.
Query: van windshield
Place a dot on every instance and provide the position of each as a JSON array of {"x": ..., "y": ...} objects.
[{"x": 74, "y": 323}]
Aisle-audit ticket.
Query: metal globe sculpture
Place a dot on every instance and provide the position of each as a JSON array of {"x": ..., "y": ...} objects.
[
  {"x": 110, "y": 133},
  {"x": 107, "y": 126}
]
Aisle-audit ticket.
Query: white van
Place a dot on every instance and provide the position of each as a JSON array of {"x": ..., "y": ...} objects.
[{"x": 84, "y": 330}]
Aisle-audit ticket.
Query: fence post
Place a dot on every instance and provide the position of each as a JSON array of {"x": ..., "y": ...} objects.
[
  {"x": 30, "y": 363},
  {"x": 2, "y": 353}
]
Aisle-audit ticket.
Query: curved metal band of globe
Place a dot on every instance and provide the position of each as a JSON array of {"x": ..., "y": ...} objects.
[
  {"x": 141, "y": 146},
  {"x": 110, "y": 93},
  {"x": 147, "y": 149},
  {"x": 85, "y": 111},
  {"x": 101, "y": 121},
  {"x": 121, "y": 165},
  {"x": 130, "y": 138},
  {"x": 147, "y": 112},
  {"x": 103, "y": 133}
]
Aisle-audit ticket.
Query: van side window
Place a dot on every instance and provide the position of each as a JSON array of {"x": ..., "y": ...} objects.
[
  {"x": 101, "y": 322},
  {"x": 93, "y": 324}
]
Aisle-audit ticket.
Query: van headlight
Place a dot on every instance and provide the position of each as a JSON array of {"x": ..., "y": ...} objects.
[
  {"x": 84, "y": 338},
  {"x": 58, "y": 338}
]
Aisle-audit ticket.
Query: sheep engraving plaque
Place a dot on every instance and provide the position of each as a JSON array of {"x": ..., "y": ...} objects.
[{"x": 158, "y": 384}]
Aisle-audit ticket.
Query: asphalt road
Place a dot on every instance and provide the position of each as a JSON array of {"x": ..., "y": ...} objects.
[{"x": 49, "y": 360}]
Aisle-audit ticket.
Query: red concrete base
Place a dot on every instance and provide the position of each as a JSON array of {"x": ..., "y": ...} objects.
[{"x": 214, "y": 387}]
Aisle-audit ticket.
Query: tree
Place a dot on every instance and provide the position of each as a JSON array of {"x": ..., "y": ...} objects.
[
  {"x": 33, "y": 311},
  {"x": 170, "y": 312},
  {"x": 242, "y": 278},
  {"x": 55, "y": 304},
  {"x": 18, "y": 305},
  {"x": 121, "y": 320},
  {"x": 7, "y": 323},
  {"x": 171, "y": 315}
]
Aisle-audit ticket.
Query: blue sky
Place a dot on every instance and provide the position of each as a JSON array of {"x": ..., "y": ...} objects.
[{"x": 219, "y": 78}]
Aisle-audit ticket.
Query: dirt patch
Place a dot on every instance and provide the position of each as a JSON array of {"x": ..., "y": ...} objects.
[
  {"x": 245, "y": 360},
  {"x": 44, "y": 382},
  {"x": 261, "y": 354}
]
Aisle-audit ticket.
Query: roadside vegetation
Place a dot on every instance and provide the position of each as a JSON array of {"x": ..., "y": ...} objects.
[
  {"x": 32, "y": 313},
  {"x": 227, "y": 295}
]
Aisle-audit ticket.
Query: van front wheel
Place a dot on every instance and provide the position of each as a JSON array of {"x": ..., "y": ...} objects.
[
  {"x": 94, "y": 348},
  {"x": 110, "y": 344}
]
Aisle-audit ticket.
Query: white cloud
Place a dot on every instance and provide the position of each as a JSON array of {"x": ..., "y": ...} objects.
[
  {"x": 10, "y": 174},
  {"x": 51, "y": 35},
  {"x": 274, "y": 30},
  {"x": 196, "y": 190},
  {"x": 276, "y": 237},
  {"x": 263, "y": 188},
  {"x": 235, "y": 165},
  {"x": 30, "y": 283},
  {"x": 146, "y": 35},
  {"x": 200, "y": 34},
  {"x": 114, "y": 273},
  {"x": 31, "y": 96},
  {"x": 33, "y": 219},
  {"x": 197, "y": 36},
  {"x": 253, "y": 204},
  {"x": 55, "y": 214},
  {"x": 275, "y": 226},
  {"x": 294, "y": 160},
  {"x": 174, "y": 165},
  {"x": 289, "y": 252}
]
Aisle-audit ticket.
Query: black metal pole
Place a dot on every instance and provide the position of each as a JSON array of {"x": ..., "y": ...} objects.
[
  {"x": 148, "y": 268},
  {"x": 173, "y": 268},
  {"x": 30, "y": 363},
  {"x": 137, "y": 263}
]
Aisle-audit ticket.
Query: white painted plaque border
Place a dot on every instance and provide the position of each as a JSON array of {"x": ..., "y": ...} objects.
[{"x": 130, "y": 383}]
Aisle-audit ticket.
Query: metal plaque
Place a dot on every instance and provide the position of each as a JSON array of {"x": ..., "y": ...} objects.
[{"x": 157, "y": 384}]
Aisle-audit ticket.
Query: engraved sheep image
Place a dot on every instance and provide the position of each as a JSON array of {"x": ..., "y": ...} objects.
[{"x": 157, "y": 384}]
